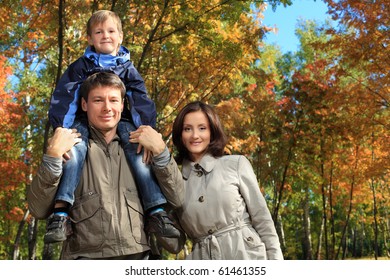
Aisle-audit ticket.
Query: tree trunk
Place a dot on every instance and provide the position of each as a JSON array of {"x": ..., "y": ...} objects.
[
  {"x": 15, "y": 254},
  {"x": 281, "y": 235},
  {"x": 47, "y": 249},
  {"x": 376, "y": 231},
  {"x": 343, "y": 236},
  {"x": 279, "y": 192},
  {"x": 307, "y": 244},
  {"x": 319, "y": 246},
  {"x": 32, "y": 238},
  {"x": 332, "y": 231},
  {"x": 324, "y": 227},
  {"x": 376, "y": 249}
]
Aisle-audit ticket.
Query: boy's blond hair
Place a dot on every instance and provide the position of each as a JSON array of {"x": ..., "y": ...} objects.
[{"x": 100, "y": 17}]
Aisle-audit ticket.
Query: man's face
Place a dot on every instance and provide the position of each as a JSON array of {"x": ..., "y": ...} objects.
[{"x": 104, "y": 108}]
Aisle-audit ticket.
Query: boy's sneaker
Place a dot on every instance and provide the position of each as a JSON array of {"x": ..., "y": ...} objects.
[
  {"x": 162, "y": 225},
  {"x": 57, "y": 229}
]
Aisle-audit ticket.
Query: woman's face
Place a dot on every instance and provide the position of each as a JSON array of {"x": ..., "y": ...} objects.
[{"x": 196, "y": 134}]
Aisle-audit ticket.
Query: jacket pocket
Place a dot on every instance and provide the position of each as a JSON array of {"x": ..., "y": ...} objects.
[
  {"x": 87, "y": 225},
  {"x": 135, "y": 212},
  {"x": 254, "y": 246}
]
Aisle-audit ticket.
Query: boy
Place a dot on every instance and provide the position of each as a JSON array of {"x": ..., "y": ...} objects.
[{"x": 105, "y": 54}]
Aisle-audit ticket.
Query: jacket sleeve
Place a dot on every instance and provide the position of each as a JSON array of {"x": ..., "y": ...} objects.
[
  {"x": 64, "y": 102},
  {"x": 143, "y": 109},
  {"x": 258, "y": 209},
  {"x": 41, "y": 192},
  {"x": 171, "y": 182}
]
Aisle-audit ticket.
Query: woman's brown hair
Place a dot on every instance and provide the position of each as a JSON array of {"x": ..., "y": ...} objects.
[{"x": 218, "y": 137}]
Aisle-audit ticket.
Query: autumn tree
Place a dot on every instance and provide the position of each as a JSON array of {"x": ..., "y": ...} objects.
[
  {"x": 14, "y": 160},
  {"x": 315, "y": 123},
  {"x": 184, "y": 50}
]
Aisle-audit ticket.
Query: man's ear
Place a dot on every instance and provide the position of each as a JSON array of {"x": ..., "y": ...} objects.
[{"x": 83, "y": 104}]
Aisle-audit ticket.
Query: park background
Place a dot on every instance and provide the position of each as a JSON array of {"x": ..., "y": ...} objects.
[{"x": 314, "y": 122}]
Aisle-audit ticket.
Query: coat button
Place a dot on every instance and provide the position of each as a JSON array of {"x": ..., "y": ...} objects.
[
  {"x": 210, "y": 231},
  {"x": 201, "y": 198},
  {"x": 249, "y": 238},
  {"x": 199, "y": 173}
]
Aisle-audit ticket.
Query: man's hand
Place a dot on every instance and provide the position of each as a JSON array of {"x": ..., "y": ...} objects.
[
  {"x": 148, "y": 138},
  {"x": 61, "y": 142}
]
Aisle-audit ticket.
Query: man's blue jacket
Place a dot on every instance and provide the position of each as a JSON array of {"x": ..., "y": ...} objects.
[{"x": 65, "y": 101}]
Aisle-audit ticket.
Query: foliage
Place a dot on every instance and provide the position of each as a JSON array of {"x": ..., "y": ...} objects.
[
  {"x": 315, "y": 123},
  {"x": 13, "y": 162}
]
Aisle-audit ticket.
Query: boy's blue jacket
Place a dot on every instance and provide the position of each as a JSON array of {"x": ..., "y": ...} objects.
[{"x": 65, "y": 100}]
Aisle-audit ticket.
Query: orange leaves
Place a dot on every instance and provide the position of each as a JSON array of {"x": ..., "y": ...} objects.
[
  {"x": 251, "y": 87},
  {"x": 11, "y": 163},
  {"x": 16, "y": 214}
]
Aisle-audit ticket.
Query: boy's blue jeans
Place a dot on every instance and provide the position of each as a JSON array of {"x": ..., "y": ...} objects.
[{"x": 149, "y": 190}]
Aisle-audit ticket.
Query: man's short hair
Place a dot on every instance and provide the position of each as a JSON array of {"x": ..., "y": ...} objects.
[{"x": 102, "y": 79}]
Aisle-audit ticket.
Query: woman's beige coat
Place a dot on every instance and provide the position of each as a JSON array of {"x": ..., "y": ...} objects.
[{"x": 222, "y": 210}]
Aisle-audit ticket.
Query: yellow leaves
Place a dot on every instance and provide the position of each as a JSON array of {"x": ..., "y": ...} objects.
[{"x": 243, "y": 146}]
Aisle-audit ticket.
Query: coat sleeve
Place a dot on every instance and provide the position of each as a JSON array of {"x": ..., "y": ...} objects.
[
  {"x": 171, "y": 182},
  {"x": 41, "y": 193},
  {"x": 65, "y": 99},
  {"x": 258, "y": 209},
  {"x": 143, "y": 109}
]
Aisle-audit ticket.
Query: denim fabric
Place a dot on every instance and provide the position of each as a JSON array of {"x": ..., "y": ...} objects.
[
  {"x": 72, "y": 168},
  {"x": 148, "y": 187}
]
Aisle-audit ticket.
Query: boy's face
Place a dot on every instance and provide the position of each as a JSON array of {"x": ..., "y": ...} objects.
[{"x": 105, "y": 37}]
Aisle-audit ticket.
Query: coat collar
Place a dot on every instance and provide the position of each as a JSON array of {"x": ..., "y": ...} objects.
[
  {"x": 98, "y": 137},
  {"x": 206, "y": 164},
  {"x": 107, "y": 60}
]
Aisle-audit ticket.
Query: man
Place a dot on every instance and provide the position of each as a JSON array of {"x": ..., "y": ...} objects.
[{"x": 107, "y": 216}]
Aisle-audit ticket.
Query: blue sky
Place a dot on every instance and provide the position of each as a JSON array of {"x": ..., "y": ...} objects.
[{"x": 285, "y": 20}]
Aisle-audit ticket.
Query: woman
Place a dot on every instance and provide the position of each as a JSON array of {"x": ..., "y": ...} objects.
[{"x": 219, "y": 203}]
